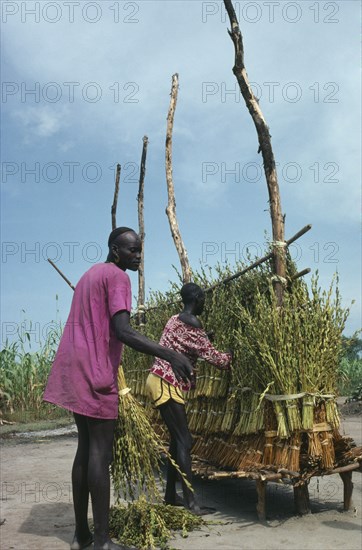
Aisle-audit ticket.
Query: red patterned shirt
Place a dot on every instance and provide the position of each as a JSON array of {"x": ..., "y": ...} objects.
[{"x": 190, "y": 341}]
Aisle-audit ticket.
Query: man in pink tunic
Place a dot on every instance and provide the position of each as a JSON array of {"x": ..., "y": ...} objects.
[
  {"x": 84, "y": 373},
  {"x": 83, "y": 378}
]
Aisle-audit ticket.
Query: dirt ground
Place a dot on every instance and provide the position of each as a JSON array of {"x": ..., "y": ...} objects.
[{"x": 37, "y": 512}]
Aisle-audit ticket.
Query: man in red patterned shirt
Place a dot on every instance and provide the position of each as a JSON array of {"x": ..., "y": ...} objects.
[{"x": 183, "y": 333}]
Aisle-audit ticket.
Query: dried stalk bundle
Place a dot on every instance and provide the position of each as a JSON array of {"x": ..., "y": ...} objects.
[
  {"x": 332, "y": 413},
  {"x": 137, "y": 449},
  {"x": 344, "y": 448},
  {"x": 293, "y": 414},
  {"x": 210, "y": 448},
  {"x": 352, "y": 455},
  {"x": 294, "y": 452},
  {"x": 245, "y": 411},
  {"x": 256, "y": 416},
  {"x": 270, "y": 421},
  {"x": 250, "y": 453},
  {"x": 210, "y": 382},
  {"x": 308, "y": 412},
  {"x": 328, "y": 454},
  {"x": 251, "y": 419},
  {"x": 233, "y": 452},
  {"x": 227, "y": 453},
  {"x": 211, "y": 418},
  {"x": 191, "y": 416},
  {"x": 136, "y": 452},
  {"x": 283, "y": 431},
  {"x": 203, "y": 415},
  {"x": 229, "y": 417},
  {"x": 147, "y": 526},
  {"x": 315, "y": 447},
  {"x": 281, "y": 453},
  {"x": 293, "y": 350},
  {"x": 321, "y": 449},
  {"x": 199, "y": 446},
  {"x": 269, "y": 449},
  {"x": 297, "y": 347},
  {"x": 203, "y": 375}
]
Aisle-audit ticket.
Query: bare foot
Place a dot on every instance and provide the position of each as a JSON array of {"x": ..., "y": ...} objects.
[
  {"x": 202, "y": 511},
  {"x": 80, "y": 543},
  {"x": 110, "y": 545},
  {"x": 179, "y": 501}
]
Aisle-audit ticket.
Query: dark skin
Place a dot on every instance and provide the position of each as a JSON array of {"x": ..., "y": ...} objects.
[
  {"x": 174, "y": 416},
  {"x": 128, "y": 248},
  {"x": 90, "y": 473},
  {"x": 191, "y": 309}
]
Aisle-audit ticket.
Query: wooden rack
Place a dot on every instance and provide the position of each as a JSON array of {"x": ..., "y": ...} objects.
[{"x": 300, "y": 485}]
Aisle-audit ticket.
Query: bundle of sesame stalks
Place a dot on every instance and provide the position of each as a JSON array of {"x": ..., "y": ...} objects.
[
  {"x": 285, "y": 370},
  {"x": 137, "y": 449},
  {"x": 147, "y": 526},
  {"x": 296, "y": 347}
]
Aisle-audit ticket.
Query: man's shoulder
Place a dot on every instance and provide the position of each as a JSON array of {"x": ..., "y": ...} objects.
[
  {"x": 190, "y": 320},
  {"x": 103, "y": 273}
]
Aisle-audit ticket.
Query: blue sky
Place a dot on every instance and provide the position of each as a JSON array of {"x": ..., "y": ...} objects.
[{"x": 83, "y": 82}]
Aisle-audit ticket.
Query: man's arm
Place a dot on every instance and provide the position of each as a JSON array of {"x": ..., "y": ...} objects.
[
  {"x": 200, "y": 344},
  {"x": 134, "y": 339}
]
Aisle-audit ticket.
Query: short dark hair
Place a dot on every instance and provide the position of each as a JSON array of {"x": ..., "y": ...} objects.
[
  {"x": 116, "y": 233},
  {"x": 190, "y": 292}
]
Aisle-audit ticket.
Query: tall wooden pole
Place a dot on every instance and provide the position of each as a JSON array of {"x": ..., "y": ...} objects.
[
  {"x": 265, "y": 147},
  {"x": 171, "y": 207},
  {"x": 115, "y": 198},
  {"x": 141, "y": 231}
]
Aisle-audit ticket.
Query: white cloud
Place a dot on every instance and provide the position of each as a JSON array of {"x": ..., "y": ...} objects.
[
  {"x": 171, "y": 37},
  {"x": 42, "y": 121}
]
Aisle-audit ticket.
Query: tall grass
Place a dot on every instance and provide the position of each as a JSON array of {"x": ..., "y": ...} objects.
[
  {"x": 23, "y": 375},
  {"x": 350, "y": 376}
]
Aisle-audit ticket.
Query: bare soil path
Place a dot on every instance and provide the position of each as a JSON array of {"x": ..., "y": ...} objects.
[{"x": 37, "y": 511}]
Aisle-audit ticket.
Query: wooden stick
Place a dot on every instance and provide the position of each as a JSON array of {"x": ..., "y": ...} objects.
[
  {"x": 301, "y": 499},
  {"x": 115, "y": 198},
  {"x": 141, "y": 232},
  {"x": 249, "y": 475},
  {"x": 301, "y": 273},
  {"x": 61, "y": 274},
  {"x": 265, "y": 148},
  {"x": 347, "y": 489},
  {"x": 288, "y": 472},
  {"x": 258, "y": 262},
  {"x": 300, "y": 233},
  {"x": 171, "y": 207},
  {"x": 255, "y": 264},
  {"x": 342, "y": 469},
  {"x": 261, "y": 491}
]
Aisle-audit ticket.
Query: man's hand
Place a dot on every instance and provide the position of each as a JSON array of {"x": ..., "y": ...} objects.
[
  {"x": 181, "y": 367},
  {"x": 211, "y": 335},
  {"x": 231, "y": 351}
]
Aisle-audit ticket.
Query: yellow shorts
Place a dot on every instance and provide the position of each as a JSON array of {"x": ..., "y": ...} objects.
[{"x": 160, "y": 391}]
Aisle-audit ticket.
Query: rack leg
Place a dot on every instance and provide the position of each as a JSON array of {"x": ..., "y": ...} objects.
[
  {"x": 261, "y": 490},
  {"x": 301, "y": 499},
  {"x": 347, "y": 489}
]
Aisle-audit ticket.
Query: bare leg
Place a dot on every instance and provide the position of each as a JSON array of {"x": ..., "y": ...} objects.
[
  {"x": 170, "y": 494},
  {"x": 101, "y": 434},
  {"x": 174, "y": 416},
  {"x": 93, "y": 477},
  {"x": 82, "y": 534}
]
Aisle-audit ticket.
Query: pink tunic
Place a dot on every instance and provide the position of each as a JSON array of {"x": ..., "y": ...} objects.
[
  {"x": 192, "y": 342},
  {"x": 83, "y": 378}
]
